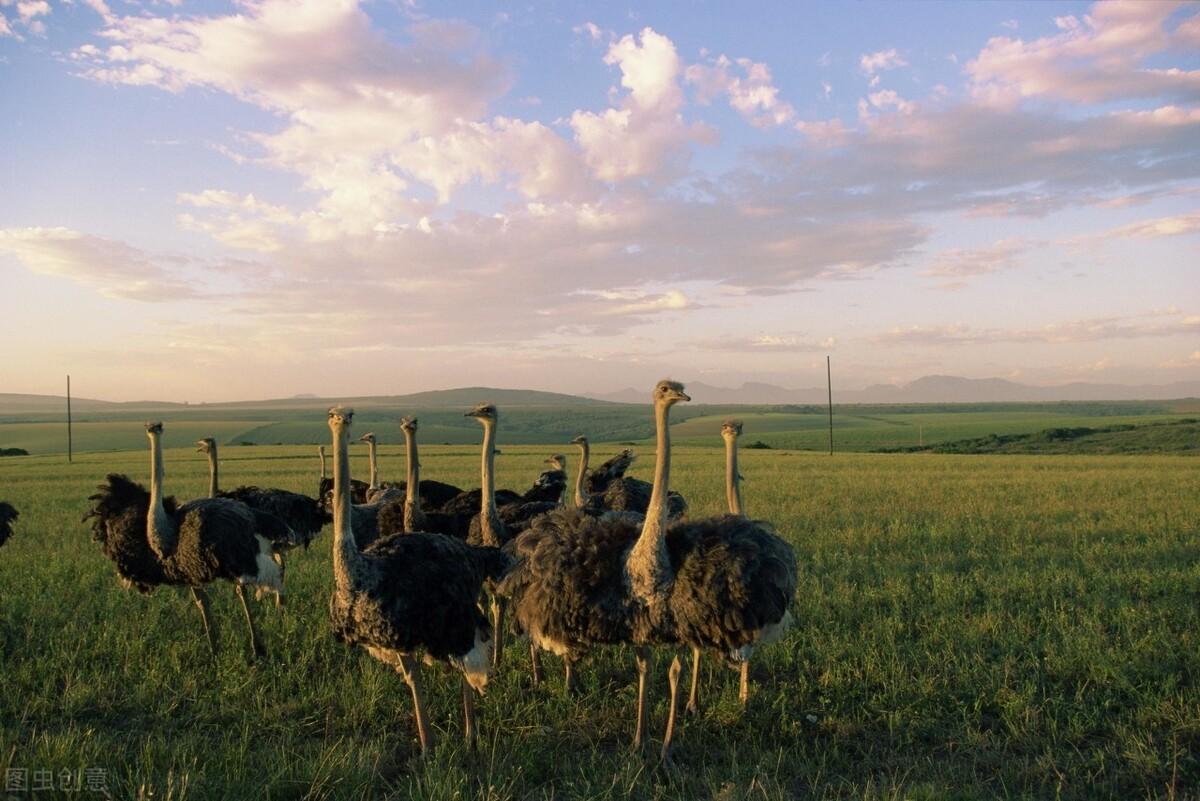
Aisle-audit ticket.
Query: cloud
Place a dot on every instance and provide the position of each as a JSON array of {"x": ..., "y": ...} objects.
[
  {"x": 113, "y": 268},
  {"x": 872, "y": 63},
  {"x": 960, "y": 262},
  {"x": 751, "y": 94},
  {"x": 1145, "y": 229},
  {"x": 1090, "y": 330},
  {"x": 1102, "y": 57},
  {"x": 646, "y": 130},
  {"x": 767, "y": 343},
  {"x": 1189, "y": 361}
]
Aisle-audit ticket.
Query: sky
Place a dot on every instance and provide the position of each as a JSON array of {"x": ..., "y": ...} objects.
[{"x": 210, "y": 201}]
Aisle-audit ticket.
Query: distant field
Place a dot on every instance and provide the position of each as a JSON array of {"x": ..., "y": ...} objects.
[
  {"x": 967, "y": 628},
  {"x": 856, "y": 428}
]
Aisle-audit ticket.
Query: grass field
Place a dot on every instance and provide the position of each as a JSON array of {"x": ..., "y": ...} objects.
[{"x": 968, "y": 627}]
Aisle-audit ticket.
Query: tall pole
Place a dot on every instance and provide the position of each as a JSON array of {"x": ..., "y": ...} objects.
[
  {"x": 829, "y": 385},
  {"x": 69, "y": 448}
]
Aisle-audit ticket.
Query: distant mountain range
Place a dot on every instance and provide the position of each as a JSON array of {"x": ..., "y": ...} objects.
[{"x": 930, "y": 389}]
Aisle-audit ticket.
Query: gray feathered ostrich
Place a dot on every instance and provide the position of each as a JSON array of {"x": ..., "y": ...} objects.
[
  {"x": 582, "y": 580},
  {"x": 734, "y": 580},
  {"x": 303, "y": 516},
  {"x": 607, "y": 488},
  {"x": 409, "y": 593},
  {"x": 8, "y": 516},
  {"x": 155, "y": 541}
]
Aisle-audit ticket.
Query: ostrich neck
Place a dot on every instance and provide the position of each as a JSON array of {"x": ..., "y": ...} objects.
[
  {"x": 412, "y": 488},
  {"x": 212, "y": 473},
  {"x": 733, "y": 487},
  {"x": 345, "y": 550},
  {"x": 160, "y": 530},
  {"x": 581, "y": 497},
  {"x": 648, "y": 565},
  {"x": 373, "y": 465},
  {"x": 321, "y": 453},
  {"x": 489, "y": 518}
]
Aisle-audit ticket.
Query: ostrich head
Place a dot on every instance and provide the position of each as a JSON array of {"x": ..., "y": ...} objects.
[
  {"x": 408, "y": 424},
  {"x": 368, "y": 437},
  {"x": 154, "y": 429},
  {"x": 340, "y": 418},
  {"x": 206, "y": 445},
  {"x": 731, "y": 429},
  {"x": 557, "y": 461},
  {"x": 669, "y": 392},
  {"x": 484, "y": 412},
  {"x": 581, "y": 441}
]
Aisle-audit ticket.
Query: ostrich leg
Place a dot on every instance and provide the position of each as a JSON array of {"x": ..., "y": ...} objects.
[
  {"x": 744, "y": 684},
  {"x": 497, "y": 630},
  {"x": 569, "y": 679},
  {"x": 470, "y": 727},
  {"x": 642, "y": 657},
  {"x": 200, "y": 598},
  {"x": 257, "y": 651},
  {"x": 693, "y": 704},
  {"x": 535, "y": 663},
  {"x": 673, "y": 678},
  {"x": 409, "y": 668}
]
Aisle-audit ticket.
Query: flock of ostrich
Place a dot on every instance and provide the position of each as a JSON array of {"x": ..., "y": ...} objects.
[{"x": 425, "y": 571}]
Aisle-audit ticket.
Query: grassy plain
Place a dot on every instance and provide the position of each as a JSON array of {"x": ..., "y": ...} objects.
[{"x": 967, "y": 628}]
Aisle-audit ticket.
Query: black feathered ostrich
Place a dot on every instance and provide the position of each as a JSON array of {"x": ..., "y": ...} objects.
[
  {"x": 408, "y": 514},
  {"x": 409, "y": 594},
  {"x": 734, "y": 580},
  {"x": 358, "y": 489},
  {"x": 378, "y": 490},
  {"x": 303, "y": 516},
  {"x": 582, "y": 580},
  {"x": 8, "y": 516},
  {"x": 608, "y": 489},
  {"x": 155, "y": 541}
]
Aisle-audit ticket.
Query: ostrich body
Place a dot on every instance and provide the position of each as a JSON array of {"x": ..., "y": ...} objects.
[
  {"x": 735, "y": 580},
  {"x": 409, "y": 593},
  {"x": 302, "y": 516},
  {"x": 153, "y": 540},
  {"x": 582, "y": 580},
  {"x": 608, "y": 489},
  {"x": 551, "y": 484},
  {"x": 8, "y": 516}
]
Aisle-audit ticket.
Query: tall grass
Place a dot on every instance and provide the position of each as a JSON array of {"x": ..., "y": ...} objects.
[{"x": 967, "y": 627}]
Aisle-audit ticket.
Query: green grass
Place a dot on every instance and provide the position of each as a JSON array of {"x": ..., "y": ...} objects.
[
  {"x": 967, "y": 628},
  {"x": 856, "y": 428}
]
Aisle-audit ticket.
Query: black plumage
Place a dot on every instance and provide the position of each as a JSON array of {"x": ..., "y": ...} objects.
[
  {"x": 470, "y": 500},
  {"x": 627, "y": 494},
  {"x": 549, "y": 487},
  {"x": 302, "y": 517},
  {"x": 735, "y": 579},
  {"x": 599, "y": 478},
  {"x": 410, "y": 593},
  {"x": 358, "y": 491},
  {"x": 8, "y": 516}
]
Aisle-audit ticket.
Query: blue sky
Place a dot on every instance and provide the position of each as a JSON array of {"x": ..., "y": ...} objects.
[{"x": 210, "y": 201}]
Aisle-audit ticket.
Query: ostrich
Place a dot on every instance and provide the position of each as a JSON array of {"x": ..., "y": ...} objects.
[
  {"x": 358, "y": 489},
  {"x": 378, "y": 490},
  {"x": 551, "y": 484},
  {"x": 409, "y": 593},
  {"x": 408, "y": 514},
  {"x": 302, "y": 515},
  {"x": 734, "y": 581},
  {"x": 155, "y": 541},
  {"x": 8, "y": 515},
  {"x": 582, "y": 580},
  {"x": 607, "y": 488}
]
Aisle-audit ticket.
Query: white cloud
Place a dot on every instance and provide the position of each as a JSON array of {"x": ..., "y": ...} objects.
[
  {"x": 752, "y": 93},
  {"x": 638, "y": 138},
  {"x": 963, "y": 262},
  {"x": 872, "y": 63},
  {"x": 113, "y": 268},
  {"x": 1088, "y": 330},
  {"x": 1101, "y": 57}
]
